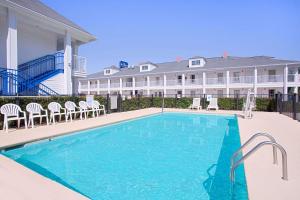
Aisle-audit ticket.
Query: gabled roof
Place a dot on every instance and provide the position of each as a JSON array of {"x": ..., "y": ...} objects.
[
  {"x": 215, "y": 63},
  {"x": 40, "y": 8}
]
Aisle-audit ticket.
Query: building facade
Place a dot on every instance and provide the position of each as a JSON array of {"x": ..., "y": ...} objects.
[
  {"x": 222, "y": 76},
  {"x": 39, "y": 50}
]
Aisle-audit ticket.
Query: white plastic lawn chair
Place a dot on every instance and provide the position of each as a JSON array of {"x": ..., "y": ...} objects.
[
  {"x": 35, "y": 111},
  {"x": 98, "y": 108},
  {"x": 196, "y": 104},
  {"x": 56, "y": 110},
  {"x": 72, "y": 109},
  {"x": 213, "y": 104},
  {"x": 86, "y": 108},
  {"x": 12, "y": 112}
]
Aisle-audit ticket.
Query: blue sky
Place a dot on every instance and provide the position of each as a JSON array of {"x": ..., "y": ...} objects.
[{"x": 159, "y": 31}]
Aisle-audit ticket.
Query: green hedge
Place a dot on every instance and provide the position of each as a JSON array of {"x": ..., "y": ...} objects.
[{"x": 262, "y": 104}]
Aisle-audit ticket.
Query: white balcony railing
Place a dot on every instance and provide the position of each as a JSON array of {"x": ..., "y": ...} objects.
[
  {"x": 156, "y": 83},
  {"x": 84, "y": 86},
  {"x": 269, "y": 78},
  {"x": 171, "y": 82},
  {"x": 291, "y": 78},
  {"x": 193, "y": 82},
  {"x": 114, "y": 85},
  {"x": 140, "y": 84},
  {"x": 215, "y": 81},
  {"x": 93, "y": 86},
  {"x": 127, "y": 84},
  {"x": 242, "y": 79},
  {"x": 103, "y": 85},
  {"x": 79, "y": 64}
]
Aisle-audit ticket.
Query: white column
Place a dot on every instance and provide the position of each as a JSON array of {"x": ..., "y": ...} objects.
[
  {"x": 227, "y": 83},
  {"x": 255, "y": 82},
  {"x": 165, "y": 85},
  {"x": 79, "y": 87},
  {"x": 68, "y": 64},
  {"x": 89, "y": 87},
  {"x": 11, "y": 40},
  {"x": 121, "y": 86},
  {"x": 108, "y": 86},
  {"x": 133, "y": 85},
  {"x": 98, "y": 87},
  {"x": 204, "y": 82},
  {"x": 148, "y": 85},
  {"x": 285, "y": 80},
  {"x": 183, "y": 84}
]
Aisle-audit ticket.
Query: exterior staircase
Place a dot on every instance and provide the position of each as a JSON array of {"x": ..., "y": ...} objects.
[{"x": 27, "y": 80}]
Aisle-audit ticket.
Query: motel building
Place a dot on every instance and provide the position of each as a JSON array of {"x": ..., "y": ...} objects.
[
  {"x": 222, "y": 76},
  {"x": 39, "y": 50}
]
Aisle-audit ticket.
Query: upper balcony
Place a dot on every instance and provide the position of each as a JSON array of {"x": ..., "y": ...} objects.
[
  {"x": 190, "y": 82},
  {"x": 216, "y": 81},
  {"x": 241, "y": 80},
  {"x": 269, "y": 78},
  {"x": 174, "y": 82},
  {"x": 79, "y": 66}
]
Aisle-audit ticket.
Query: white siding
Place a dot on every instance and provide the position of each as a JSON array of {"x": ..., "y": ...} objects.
[
  {"x": 56, "y": 83},
  {"x": 34, "y": 43},
  {"x": 3, "y": 36}
]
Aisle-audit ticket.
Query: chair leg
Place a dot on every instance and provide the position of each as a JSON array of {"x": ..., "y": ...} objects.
[
  {"x": 41, "y": 119},
  {"x": 47, "y": 120},
  {"x": 19, "y": 123}
]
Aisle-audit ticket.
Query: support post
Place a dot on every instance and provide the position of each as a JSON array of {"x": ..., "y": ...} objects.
[
  {"x": 98, "y": 87},
  {"x": 89, "y": 87},
  {"x": 165, "y": 84},
  {"x": 227, "y": 83},
  {"x": 183, "y": 85},
  {"x": 108, "y": 86},
  {"x": 285, "y": 80},
  {"x": 148, "y": 86},
  {"x": 255, "y": 82},
  {"x": 204, "y": 83},
  {"x": 68, "y": 63}
]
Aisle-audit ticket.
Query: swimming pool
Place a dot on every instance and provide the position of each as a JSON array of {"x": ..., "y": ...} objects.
[{"x": 164, "y": 156}]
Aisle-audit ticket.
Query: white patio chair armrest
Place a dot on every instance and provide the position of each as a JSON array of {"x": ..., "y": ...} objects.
[
  {"x": 24, "y": 113},
  {"x": 64, "y": 109}
]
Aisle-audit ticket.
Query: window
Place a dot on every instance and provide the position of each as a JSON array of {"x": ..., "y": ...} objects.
[
  {"x": 272, "y": 75},
  {"x": 145, "y": 68},
  {"x": 179, "y": 79},
  {"x": 196, "y": 62},
  {"x": 220, "y": 93},
  {"x": 271, "y": 93},
  {"x": 107, "y": 71},
  {"x": 236, "y": 77},
  {"x": 220, "y": 78},
  {"x": 193, "y": 93},
  {"x": 193, "y": 77},
  {"x": 179, "y": 93},
  {"x": 236, "y": 93}
]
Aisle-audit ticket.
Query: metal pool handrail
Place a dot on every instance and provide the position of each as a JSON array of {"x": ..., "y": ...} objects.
[
  {"x": 283, "y": 154},
  {"x": 250, "y": 140}
]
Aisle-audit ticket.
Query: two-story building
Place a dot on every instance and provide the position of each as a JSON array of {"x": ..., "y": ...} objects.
[
  {"x": 222, "y": 76},
  {"x": 39, "y": 50}
]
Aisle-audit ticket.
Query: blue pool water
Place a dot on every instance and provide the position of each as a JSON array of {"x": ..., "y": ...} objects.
[{"x": 163, "y": 157}]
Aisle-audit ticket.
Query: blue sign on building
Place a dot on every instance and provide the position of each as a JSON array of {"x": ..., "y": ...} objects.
[{"x": 123, "y": 64}]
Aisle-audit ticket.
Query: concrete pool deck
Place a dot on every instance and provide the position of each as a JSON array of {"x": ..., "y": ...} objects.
[{"x": 263, "y": 178}]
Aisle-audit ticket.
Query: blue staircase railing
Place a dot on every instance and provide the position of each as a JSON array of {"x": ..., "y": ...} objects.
[
  {"x": 27, "y": 80},
  {"x": 13, "y": 84},
  {"x": 41, "y": 68}
]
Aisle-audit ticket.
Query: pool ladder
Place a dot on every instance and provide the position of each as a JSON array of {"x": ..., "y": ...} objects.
[{"x": 272, "y": 142}]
